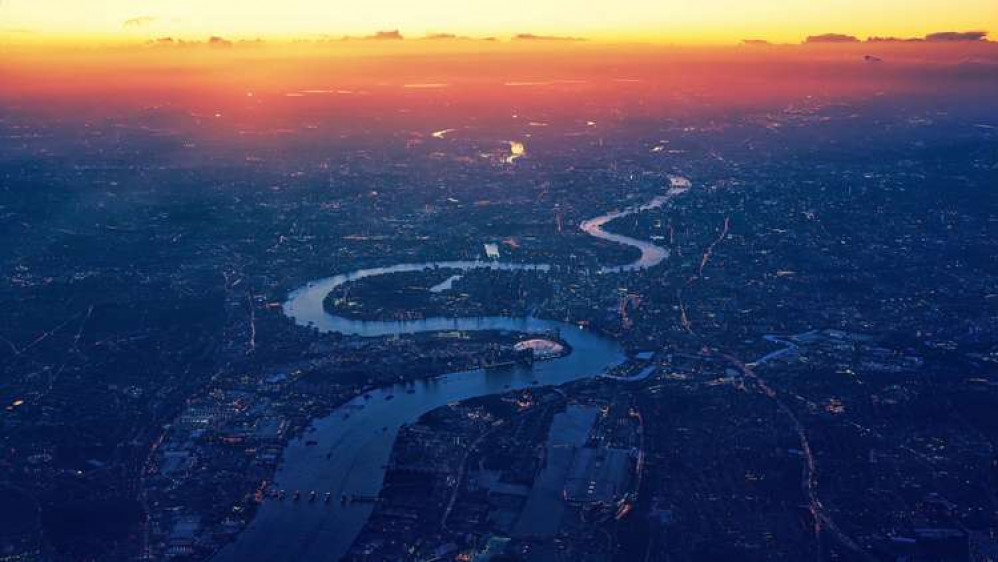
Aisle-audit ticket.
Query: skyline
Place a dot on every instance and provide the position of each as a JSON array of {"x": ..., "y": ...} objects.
[{"x": 674, "y": 21}]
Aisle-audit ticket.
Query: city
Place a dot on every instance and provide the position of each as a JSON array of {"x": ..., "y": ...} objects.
[{"x": 442, "y": 314}]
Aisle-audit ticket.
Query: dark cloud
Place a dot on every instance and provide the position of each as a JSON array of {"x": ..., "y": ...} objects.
[
  {"x": 755, "y": 42},
  {"x": 213, "y": 42},
  {"x": 938, "y": 37},
  {"x": 831, "y": 38},
  {"x": 392, "y": 35},
  {"x": 944, "y": 36},
  {"x": 140, "y": 21},
  {"x": 892, "y": 39},
  {"x": 171, "y": 42},
  {"x": 216, "y": 41}
]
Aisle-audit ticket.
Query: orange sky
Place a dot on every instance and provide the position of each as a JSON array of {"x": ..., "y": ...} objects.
[{"x": 679, "y": 21}]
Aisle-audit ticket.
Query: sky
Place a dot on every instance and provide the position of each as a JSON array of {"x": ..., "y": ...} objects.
[{"x": 670, "y": 21}]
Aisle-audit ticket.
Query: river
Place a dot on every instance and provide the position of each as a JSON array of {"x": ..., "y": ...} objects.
[
  {"x": 651, "y": 255},
  {"x": 354, "y": 443}
]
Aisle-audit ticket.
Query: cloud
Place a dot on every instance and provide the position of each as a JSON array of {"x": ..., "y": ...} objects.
[
  {"x": 140, "y": 21},
  {"x": 831, "y": 38},
  {"x": 533, "y": 37},
  {"x": 213, "y": 42},
  {"x": 944, "y": 36},
  {"x": 216, "y": 41},
  {"x": 755, "y": 42},
  {"x": 876, "y": 39},
  {"x": 392, "y": 35},
  {"x": 938, "y": 37}
]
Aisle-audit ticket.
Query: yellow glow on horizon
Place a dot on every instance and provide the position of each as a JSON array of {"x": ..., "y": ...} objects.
[{"x": 676, "y": 21}]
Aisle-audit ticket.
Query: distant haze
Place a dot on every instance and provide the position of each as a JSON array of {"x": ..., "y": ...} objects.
[{"x": 681, "y": 21}]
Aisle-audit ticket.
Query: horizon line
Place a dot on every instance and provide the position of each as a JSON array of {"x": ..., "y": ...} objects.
[{"x": 395, "y": 36}]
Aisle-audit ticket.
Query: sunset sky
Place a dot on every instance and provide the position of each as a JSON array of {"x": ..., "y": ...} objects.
[{"x": 678, "y": 21}]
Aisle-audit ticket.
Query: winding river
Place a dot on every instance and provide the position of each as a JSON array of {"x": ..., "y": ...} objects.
[{"x": 353, "y": 444}]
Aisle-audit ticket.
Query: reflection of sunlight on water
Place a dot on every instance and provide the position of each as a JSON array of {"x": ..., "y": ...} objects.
[
  {"x": 516, "y": 150},
  {"x": 441, "y": 133}
]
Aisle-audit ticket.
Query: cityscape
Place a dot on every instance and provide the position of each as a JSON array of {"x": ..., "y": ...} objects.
[{"x": 529, "y": 297}]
